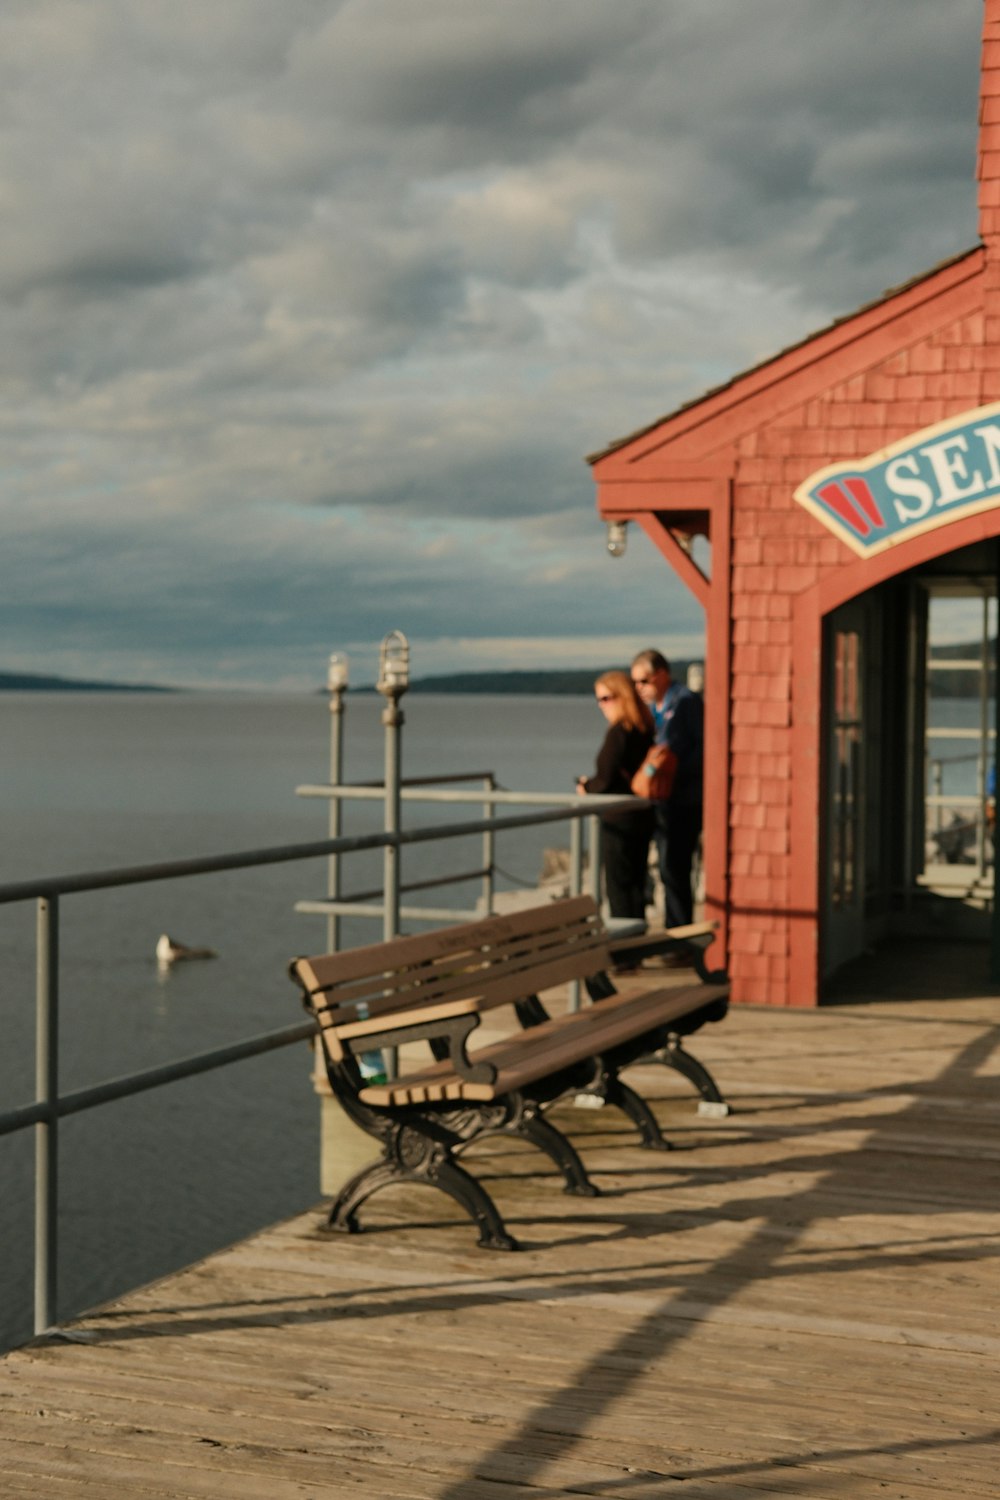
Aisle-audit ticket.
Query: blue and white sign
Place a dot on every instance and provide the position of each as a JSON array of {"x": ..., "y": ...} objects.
[{"x": 926, "y": 480}]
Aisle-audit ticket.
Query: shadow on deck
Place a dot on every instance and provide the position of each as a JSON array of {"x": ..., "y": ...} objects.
[
  {"x": 798, "y": 1300},
  {"x": 910, "y": 969}
]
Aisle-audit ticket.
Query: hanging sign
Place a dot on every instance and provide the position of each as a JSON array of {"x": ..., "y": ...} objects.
[{"x": 926, "y": 480}]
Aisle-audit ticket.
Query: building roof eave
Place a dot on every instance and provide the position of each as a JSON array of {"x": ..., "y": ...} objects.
[{"x": 789, "y": 361}]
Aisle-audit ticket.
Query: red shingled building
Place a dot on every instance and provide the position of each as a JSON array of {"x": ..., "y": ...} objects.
[{"x": 849, "y": 491}]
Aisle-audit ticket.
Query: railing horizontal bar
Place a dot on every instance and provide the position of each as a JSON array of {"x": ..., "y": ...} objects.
[
  {"x": 411, "y": 885},
  {"x": 445, "y": 780},
  {"x": 959, "y": 734},
  {"x": 423, "y": 780},
  {"x": 103, "y": 880},
  {"x": 151, "y": 1078},
  {"x": 375, "y": 793},
  {"x": 412, "y": 913},
  {"x": 25, "y": 1114},
  {"x": 439, "y": 914}
]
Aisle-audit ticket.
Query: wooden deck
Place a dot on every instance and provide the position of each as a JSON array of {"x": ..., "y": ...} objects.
[{"x": 801, "y": 1300}]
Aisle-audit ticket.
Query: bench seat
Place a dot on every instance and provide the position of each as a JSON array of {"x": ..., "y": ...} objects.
[{"x": 549, "y": 1047}]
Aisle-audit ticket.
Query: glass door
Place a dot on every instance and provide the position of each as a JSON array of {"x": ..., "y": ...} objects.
[
  {"x": 959, "y": 739},
  {"x": 843, "y": 934}
]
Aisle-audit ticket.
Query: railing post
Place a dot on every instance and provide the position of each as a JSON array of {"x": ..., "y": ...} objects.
[
  {"x": 594, "y": 849},
  {"x": 47, "y": 1130},
  {"x": 575, "y": 889},
  {"x": 576, "y": 857},
  {"x": 489, "y": 849}
]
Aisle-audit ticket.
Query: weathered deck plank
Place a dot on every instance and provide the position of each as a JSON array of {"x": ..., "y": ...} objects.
[{"x": 802, "y": 1299}]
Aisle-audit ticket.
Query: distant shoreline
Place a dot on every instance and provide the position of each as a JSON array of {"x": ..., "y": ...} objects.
[{"x": 30, "y": 682}]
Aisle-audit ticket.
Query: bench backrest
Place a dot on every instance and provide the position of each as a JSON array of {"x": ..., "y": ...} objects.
[{"x": 497, "y": 960}]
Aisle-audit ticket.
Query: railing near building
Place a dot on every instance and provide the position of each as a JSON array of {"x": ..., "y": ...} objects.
[{"x": 959, "y": 824}]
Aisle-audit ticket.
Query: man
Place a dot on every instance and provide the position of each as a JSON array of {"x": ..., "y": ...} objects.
[{"x": 678, "y": 718}]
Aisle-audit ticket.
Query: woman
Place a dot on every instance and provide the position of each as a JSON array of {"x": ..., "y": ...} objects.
[{"x": 625, "y": 834}]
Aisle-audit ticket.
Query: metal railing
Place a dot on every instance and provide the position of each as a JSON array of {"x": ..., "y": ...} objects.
[
  {"x": 960, "y": 824},
  {"x": 363, "y": 904},
  {"x": 50, "y": 1105}
]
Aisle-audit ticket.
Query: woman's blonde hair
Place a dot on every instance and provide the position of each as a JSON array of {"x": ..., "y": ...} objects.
[{"x": 634, "y": 713}]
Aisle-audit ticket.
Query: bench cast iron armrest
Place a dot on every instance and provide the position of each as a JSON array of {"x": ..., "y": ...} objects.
[
  {"x": 453, "y": 1022},
  {"x": 692, "y": 939}
]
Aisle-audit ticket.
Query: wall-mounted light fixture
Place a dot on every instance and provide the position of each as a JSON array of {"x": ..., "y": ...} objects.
[{"x": 617, "y": 538}]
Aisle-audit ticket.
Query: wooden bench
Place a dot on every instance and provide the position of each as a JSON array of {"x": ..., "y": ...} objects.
[{"x": 436, "y": 990}]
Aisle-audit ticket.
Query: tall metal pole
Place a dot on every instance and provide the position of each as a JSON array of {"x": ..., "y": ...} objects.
[
  {"x": 392, "y": 718},
  {"x": 337, "y": 684},
  {"x": 47, "y": 1130},
  {"x": 393, "y": 680}
]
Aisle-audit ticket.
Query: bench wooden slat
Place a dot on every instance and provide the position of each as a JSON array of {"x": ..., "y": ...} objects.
[
  {"x": 574, "y": 961},
  {"x": 574, "y": 954},
  {"x": 447, "y": 942},
  {"x": 550, "y": 1047},
  {"x": 496, "y": 977}
]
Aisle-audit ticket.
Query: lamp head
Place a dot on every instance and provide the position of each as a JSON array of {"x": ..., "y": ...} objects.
[
  {"x": 337, "y": 672},
  {"x": 394, "y": 665}
]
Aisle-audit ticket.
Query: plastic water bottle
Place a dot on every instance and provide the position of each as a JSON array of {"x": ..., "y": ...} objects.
[{"x": 370, "y": 1064}]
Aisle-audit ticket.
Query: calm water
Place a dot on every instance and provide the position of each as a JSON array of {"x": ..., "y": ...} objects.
[{"x": 99, "y": 781}]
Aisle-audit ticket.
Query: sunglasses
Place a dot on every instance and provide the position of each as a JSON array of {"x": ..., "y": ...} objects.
[
  {"x": 605, "y": 697},
  {"x": 641, "y": 681}
]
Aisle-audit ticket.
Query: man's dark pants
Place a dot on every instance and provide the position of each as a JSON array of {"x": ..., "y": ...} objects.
[{"x": 677, "y": 830}]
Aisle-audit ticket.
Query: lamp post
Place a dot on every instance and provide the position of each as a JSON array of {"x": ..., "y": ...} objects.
[
  {"x": 336, "y": 681},
  {"x": 393, "y": 680}
]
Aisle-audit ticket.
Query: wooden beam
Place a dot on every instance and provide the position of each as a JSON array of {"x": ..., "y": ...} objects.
[{"x": 683, "y": 564}]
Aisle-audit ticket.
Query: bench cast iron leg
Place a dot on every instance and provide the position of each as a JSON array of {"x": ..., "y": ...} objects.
[
  {"x": 515, "y": 1115},
  {"x": 674, "y": 1056},
  {"x": 470, "y": 1195},
  {"x": 632, "y": 1104},
  {"x": 431, "y": 1165},
  {"x": 541, "y": 1133}
]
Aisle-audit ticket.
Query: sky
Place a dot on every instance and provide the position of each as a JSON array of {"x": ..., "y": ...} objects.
[{"x": 311, "y": 311}]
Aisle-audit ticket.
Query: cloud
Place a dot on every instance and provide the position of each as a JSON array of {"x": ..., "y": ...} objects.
[{"x": 309, "y": 313}]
